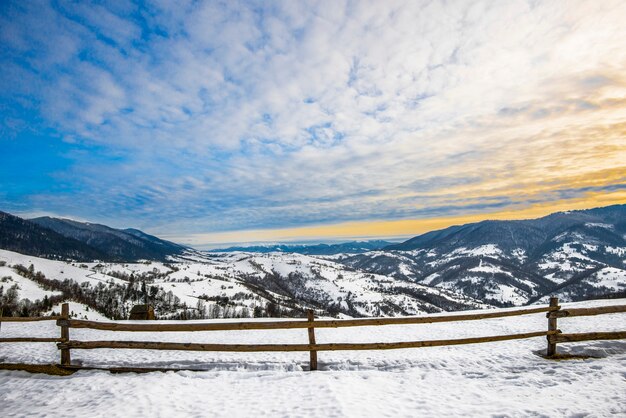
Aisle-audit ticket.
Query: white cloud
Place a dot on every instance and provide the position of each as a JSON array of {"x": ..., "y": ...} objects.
[{"x": 232, "y": 116}]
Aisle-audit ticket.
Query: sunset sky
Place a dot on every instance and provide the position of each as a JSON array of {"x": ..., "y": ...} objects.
[{"x": 209, "y": 123}]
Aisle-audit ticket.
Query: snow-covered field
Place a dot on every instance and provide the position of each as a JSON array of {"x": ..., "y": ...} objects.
[{"x": 494, "y": 379}]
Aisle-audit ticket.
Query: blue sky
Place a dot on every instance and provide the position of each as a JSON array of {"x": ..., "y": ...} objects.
[{"x": 209, "y": 122}]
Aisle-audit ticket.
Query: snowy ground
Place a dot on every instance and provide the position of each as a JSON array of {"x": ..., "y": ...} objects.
[
  {"x": 495, "y": 379},
  {"x": 26, "y": 289},
  {"x": 78, "y": 311}
]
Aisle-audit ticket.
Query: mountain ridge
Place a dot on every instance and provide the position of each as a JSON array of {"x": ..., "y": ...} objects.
[
  {"x": 82, "y": 241},
  {"x": 353, "y": 247},
  {"x": 576, "y": 254},
  {"x": 123, "y": 244}
]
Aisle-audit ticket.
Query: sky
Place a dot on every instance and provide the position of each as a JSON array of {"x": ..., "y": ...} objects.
[{"x": 230, "y": 122}]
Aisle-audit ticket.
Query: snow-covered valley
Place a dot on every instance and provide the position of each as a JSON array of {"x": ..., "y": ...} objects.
[{"x": 199, "y": 285}]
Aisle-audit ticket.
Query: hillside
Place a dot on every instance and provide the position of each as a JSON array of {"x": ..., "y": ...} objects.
[
  {"x": 577, "y": 255},
  {"x": 64, "y": 239},
  {"x": 17, "y": 234},
  {"x": 230, "y": 285},
  {"x": 117, "y": 244}
]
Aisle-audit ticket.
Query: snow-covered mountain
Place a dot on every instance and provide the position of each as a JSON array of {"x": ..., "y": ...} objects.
[
  {"x": 577, "y": 255},
  {"x": 225, "y": 285},
  {"x": 116, "y": 244},
  {"x": 17, "y": 234},
  {"x": 67, "y": 239}
]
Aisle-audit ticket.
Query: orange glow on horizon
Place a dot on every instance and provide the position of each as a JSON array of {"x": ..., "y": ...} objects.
[{"x": 394, "y": 228}]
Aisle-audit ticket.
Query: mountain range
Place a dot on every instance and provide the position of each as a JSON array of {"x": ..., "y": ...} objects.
[
  {"x": 352, "y": 247},
  {"x": 82, "y": 241},
  {"x": 574, "y": 255}
]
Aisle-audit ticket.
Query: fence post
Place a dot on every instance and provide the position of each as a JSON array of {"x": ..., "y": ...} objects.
[
  {"x": 552, "y": 326},
  {"x": 65, "y": 335},
  {"x": 313, "y": 356}
]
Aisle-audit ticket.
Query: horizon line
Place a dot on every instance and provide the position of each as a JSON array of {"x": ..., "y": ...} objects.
[{"x": 392, "y": 230}]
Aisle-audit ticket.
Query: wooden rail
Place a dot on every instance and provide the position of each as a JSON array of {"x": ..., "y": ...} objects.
[
  {"x": 553, "y": 334},
  {"x": 323, "y": 323},
  {"x": 152, "y": 345},
  {"x": 590, "y": 336},
  {"x": 28, "y": 319},
  {"x": 587, "y": 311},
  {"x": 29, "y": 340}
]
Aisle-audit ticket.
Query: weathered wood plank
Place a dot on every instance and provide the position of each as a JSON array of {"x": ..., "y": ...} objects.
[
  {"x": 588, "y": 311},
  {"x": 29, "y": 340},
  {"x": 590, "y": 336},
  {"x": 313, "y": 353},
  {"x": 28, "y": 319},
  {"x": 151, "y": 345},
  {"x": 65, "y": 335},
  {"x": 552, "y": 326},
  {"x": 324, "y": 323}
]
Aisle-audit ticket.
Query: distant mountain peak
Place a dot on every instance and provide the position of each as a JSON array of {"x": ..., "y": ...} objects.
[
  {"x": 575, "y": 254},
  {"x": 351, "y": 247},
  {"x": 66, "y": 238}
]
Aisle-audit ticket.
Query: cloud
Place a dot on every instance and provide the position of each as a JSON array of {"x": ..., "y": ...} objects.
[{"x": 207, "y": 116}]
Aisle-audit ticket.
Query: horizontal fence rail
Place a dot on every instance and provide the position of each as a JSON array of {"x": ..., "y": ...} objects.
[
  {"x": 29, "y": 340},
  {"x": 590, "y": 336},
  {"x": 588, "y": 311},
  {"x": 28, "y": 318},
  {"x": 324, "y": 323},
  {"x": 151, "y": 345},
  {"x": 553, "y": 334}
]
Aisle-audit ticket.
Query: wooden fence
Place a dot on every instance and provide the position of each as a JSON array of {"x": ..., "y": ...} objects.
[{"x": 553, "y": 334}]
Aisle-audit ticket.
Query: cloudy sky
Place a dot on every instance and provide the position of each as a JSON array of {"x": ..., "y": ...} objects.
[{"x": 213, "y": 122}]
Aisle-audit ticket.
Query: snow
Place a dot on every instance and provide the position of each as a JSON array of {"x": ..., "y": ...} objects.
[
  {"x": 609, "y": 277},
  {"x": 494, "y": 379},
  {"x": 59, "y": 270},
  {"x": 27, "y": 289},
  {"x": 489, "y": 268},
  {"x": 570, "y": 235},
  {"x": 599, "y": 225},
  {"x": 616, "y": 250},
  {"x": 519, "y": 254},
  {"x": 78, "y": 311},
  {"x": 590, "y": 247},
  {"x": 223, "y": 275},
  {"x": 488, "y": 249},
  {"x": 493, "y": 290},
  {"x": 405, "y": 270},
  {"x": 567, "y": 258},
  {"x": 430, "y": 279}
]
